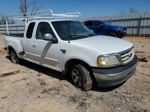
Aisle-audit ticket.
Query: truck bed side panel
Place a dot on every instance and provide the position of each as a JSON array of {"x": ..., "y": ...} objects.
[{"x": 15, "y": 43}]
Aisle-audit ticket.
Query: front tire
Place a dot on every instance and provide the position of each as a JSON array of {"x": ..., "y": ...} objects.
[
  {"x": 81, "y": 77},
  {"x": 13, "y": 56}
]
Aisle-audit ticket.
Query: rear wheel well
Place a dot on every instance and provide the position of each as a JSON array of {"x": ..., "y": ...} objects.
[
  {"x": 10, "y": 48},
  {"x": 13, "y": 55}
]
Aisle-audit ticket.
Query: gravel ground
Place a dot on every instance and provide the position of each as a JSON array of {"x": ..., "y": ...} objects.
[{"x": 32, "y": 88}]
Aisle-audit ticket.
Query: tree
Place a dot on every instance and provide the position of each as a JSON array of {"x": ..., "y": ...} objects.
[
  {"x": 28, "y": 6},
  {"x": 23, "y": 6},
  {"x": 132, "y": 10}
]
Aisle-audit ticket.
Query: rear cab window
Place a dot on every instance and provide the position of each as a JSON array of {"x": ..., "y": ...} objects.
[{"x": 30, "y": 30}]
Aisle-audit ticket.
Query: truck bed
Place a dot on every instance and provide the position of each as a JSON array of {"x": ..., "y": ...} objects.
[{"x": 15, "y": 42}]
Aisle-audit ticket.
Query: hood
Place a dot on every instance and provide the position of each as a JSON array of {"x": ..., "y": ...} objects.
[{"x": 103, "y": 44}]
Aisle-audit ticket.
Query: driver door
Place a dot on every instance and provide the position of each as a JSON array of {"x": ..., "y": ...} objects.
[{"x": 45, "y": 52}]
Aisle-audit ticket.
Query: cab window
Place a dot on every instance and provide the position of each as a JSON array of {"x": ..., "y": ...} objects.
[
  {"x": 30, "y": 30},
  {"x": 42, "y": 29}
]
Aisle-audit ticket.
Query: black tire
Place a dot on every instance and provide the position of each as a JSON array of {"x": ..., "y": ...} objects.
[
  {"x": 13, "y": 56},
  {"x": 81, "y": 77},
  {"x": 113, "y": 34}
]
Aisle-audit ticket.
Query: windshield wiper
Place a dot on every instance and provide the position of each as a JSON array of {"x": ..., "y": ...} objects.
[
  {"x": 91, "y": 34},
  {"x": 74, "y": 35}
]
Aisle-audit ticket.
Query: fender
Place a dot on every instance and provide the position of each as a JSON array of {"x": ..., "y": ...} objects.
[{"x": 15, "y": 43}]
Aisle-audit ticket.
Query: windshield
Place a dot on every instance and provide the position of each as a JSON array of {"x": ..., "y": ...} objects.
[{"x": 71, "y": 30}]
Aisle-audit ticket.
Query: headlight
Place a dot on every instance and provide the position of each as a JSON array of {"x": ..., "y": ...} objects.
[{"x": 107, "y": 61}]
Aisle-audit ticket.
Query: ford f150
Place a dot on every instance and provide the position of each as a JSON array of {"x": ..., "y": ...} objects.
[{"x": 69, "y": 47}]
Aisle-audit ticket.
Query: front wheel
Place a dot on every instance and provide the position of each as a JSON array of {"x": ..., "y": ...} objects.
[
  {"x": 81, "y": 77},
  {"x": 13, "y": 56}
]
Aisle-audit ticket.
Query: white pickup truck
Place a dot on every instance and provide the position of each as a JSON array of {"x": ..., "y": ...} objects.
[{"x": 69, "y": 47}]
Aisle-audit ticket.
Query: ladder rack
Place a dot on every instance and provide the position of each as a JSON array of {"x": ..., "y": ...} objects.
[
  {"x": 44, "y": 14},
  {"x": 38, "y": 15}
]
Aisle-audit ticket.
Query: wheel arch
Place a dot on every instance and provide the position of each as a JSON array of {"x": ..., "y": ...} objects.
[
  {"x": 78, "y": 61},
  {"x": 10, "y": 48}
]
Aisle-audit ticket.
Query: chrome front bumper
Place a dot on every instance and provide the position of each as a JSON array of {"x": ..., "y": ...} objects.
[{"x": 114, "y": 76}]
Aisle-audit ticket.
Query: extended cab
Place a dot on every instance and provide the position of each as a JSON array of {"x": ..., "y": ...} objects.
[
  {"x": 69, "y": 47},
  {"x": 104, "y": 28}
]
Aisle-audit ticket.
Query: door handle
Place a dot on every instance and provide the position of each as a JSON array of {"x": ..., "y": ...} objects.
[
  {"x": 63, "y": 51},
  {"x": 34, "y": 46}
]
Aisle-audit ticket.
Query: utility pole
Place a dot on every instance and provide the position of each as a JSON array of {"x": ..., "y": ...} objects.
[{"x": 25, "y": 7}]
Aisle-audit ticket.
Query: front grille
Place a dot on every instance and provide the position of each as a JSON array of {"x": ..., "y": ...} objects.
[{"x": 127, "y": 56}]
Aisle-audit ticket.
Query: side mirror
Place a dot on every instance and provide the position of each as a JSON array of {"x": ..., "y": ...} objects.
[{"x": 49, "y": 37}]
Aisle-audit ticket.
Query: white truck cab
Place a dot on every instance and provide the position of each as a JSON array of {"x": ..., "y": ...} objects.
[{"x": 70, "y": 47}]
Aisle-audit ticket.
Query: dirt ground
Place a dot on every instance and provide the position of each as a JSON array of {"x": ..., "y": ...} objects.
[{"x": 32, "y": 88}]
